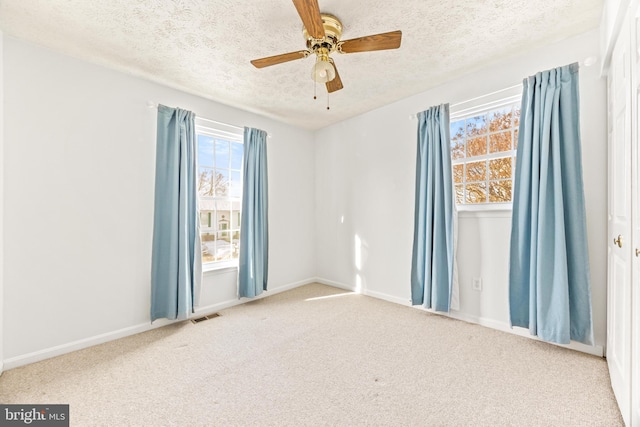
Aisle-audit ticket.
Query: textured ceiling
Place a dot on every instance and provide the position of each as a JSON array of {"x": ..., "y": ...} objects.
[{"x": 204, "y": 46}]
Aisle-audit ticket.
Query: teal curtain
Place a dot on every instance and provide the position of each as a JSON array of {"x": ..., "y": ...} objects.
[
  {"x": 254, "y": 224},
  {"x": 549, "y": 285},
  {"x": 433, "y": 236},
  {"x": 176, "y": 254}
]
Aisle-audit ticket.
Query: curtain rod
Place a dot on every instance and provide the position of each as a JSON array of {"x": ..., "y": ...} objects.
[
  {"x": 152, "y": 104},
  {"x": 220, "y": 123},
  {"x": 486, "y": 95},
  {"x": 413, "y": 116},
  {"x": 587, "y": 62}
]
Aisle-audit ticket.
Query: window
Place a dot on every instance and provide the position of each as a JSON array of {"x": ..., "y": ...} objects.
[
  {"x": 219, "y": 183},
  {"x": 483, "y": 146}
]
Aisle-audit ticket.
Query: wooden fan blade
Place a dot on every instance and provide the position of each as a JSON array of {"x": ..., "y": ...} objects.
[
  {"x": 279, "y": 59},
  {"x": 336, "y": 83},
  {"x": 309, "y": 12},
  {"x": 382, "y": 41}
]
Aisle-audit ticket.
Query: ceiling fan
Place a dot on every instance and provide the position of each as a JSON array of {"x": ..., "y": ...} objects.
[{"x": 322, "y": 33}]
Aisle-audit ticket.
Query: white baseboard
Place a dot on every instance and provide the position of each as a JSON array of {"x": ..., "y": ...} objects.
[
  {"x": 59, "y": 350},
  {"x": 271, "y": 291},
  {"x": 387, "y": 297},
  {"x": 334, "y": 284},
  {"x": 596, "y": 350},
  {"x": 374, "y": 294}
]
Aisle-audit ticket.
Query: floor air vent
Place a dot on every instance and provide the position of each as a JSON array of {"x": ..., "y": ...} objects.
[{"x": 203, "y": 318}]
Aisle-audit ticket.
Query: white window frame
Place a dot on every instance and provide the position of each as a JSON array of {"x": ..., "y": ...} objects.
[
  {"x": 477, "y": 106},
  {"x": 232, "y": 134}
]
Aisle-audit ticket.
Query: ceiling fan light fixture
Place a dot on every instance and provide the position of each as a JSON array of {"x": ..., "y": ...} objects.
[
  {"x": 322, "y": 33},
  {"x": 323, "y": 71}
]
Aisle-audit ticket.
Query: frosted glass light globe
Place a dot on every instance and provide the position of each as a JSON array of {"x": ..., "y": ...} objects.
[{"x": 323, "y": 72}]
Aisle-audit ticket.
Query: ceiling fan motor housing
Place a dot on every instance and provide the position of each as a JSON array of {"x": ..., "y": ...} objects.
[{"x": 333, "y": 32}]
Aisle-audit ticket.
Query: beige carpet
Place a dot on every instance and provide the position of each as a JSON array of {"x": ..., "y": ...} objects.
[{"x": 317, "y": 356}]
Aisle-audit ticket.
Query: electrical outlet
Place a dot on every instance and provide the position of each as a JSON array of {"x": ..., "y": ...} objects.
[{"x": 477, "y": 284}]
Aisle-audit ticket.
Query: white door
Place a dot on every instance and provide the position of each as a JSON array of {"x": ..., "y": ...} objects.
[
  {"x": 635, "y": 254},
  {"x": 619, "y": 271}
]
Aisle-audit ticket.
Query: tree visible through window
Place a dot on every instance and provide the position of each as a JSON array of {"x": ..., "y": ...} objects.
[
  {"x": 219, "y": 183},
  {"x": 483, "y": 148}
]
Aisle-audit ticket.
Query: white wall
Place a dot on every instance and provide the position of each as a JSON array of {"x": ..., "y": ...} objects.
[
  {"x": 79, "y": 147},
  {"x": 365, "y": 173},
  {"x": 79, "y": 153}
]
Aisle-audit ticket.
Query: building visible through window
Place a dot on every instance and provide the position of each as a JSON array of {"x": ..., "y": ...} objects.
[
  {"x": 483, "y": 147},
  {"x": 219, "y": 183}
]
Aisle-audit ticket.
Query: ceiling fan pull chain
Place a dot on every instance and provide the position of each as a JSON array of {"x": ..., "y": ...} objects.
[
  {"x": 315, "y": 86},
  {"x": 327, "y": 100}
]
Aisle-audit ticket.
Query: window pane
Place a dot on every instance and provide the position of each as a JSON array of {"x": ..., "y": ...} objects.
[
  {"x": 205, "y": 150},
  {"x": 223, "y": 225},
  {"x": 458, "y": 173},
  {"x": 483, "y": 149},
  {"x": 224, "y": 248},
  {"x": 500, "y": 168},
  {"x": 223, "y": 236},
  {"x": 500, "y": 142},
  {"x": 500, "y": 191},
  {"x": 235, "y": 185},
  {"x": 457, "y": 149},
  {"x": 221, "y": 182},
  {"x": 208, "y": 247},
  {"x": 236, "y": 205},
  {"x": 223, "y": 218},
  {"x": 500, "y": 119},
  {"x": 208, "y": 204},
  {"x": 235, "y": 219},
  {"x": 459, "y": 193},
  {"x": 205, "y": 219},
  {"x": 222, "y": 153},
  {"x": 237, "y": 151},
  {"x": 235, "y": 245},
  {"x": 476, "y": 193},
  {"x": 477, "y": 146},
  {"x": 476, "y": 125},
  {"x": 476, "y": 171},
  {"x": 457, "y": 130},
  {"x": 219, "y": 250},
  {"x": 205, "y": 179}
]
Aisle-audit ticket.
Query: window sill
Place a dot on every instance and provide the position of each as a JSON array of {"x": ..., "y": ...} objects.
[
  {"x": 220, "y": 267},
  {"x": 502, "y": 210}
]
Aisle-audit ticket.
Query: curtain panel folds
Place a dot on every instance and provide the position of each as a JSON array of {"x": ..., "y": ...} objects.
[
  {"x": 254, "y": 227},
  {"x": 432, "y": 264},
  {"x": 549, "y": 282},
  {"x": 176, "y": 263}
]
